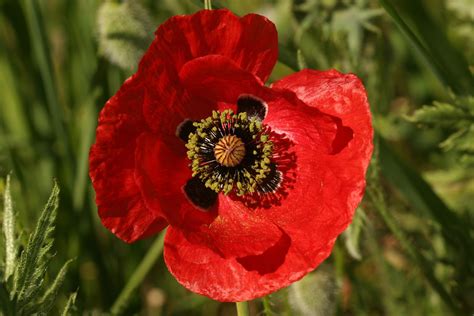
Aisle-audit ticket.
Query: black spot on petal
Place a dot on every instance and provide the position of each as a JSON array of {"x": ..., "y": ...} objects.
[
  {"x": 253, "y": 106},
  {"x": 199, "y": 195},
  {"x": 184, "y": 129}
]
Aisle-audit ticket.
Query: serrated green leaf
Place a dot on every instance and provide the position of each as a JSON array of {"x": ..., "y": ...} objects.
[
  {"x": 125, "y": 32},
  {"x": 47, "y": 301},
  {"x": 463, "y": 140},
  {"x": 9, "y": 231},
  {"x": 443, "y": 114},
  {"x": 69, "y": 305},
  {"x": 30, "y": 271}
]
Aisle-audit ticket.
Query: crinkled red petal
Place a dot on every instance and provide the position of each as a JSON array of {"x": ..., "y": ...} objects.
[
  {"x": 162, "y": 170},
  {"x": 202, "y": 270},
  {"x": 251, "y": 41},
  {"x": 237, "y": 232},
  {"x": 112, "y": 167},
  {"x": 216, "y": 79},
  {"x": 328, "y": 185},
  {"x": 311, "y": 210}
]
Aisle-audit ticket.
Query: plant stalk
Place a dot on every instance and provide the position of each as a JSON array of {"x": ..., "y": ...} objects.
[
  {"x": 140, "y": 273},
  {"x": 267, "y": 309},
  {"x": 242, "y": 308}
]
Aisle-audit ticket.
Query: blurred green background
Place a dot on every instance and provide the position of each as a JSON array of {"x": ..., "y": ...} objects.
[{"x": 410, "y": 248}]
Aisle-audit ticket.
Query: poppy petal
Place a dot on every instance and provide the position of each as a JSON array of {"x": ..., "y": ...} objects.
[
  {"x": 216, "y": 78},
  {"x": 202, "y": 270},
  {"x": 251, "y": 41},
  {"x": 112, "y": 165},
  {"x": 238, "y": 232},
  {"x": 329, "y": 183},
  {"x": 162, "y": 172}
]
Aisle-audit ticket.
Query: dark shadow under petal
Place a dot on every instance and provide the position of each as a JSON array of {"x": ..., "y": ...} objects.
[
  {"x": 201, "y": 196},
  {"x": 270, "y": 260},
  {"x": 343, "y": 136}
]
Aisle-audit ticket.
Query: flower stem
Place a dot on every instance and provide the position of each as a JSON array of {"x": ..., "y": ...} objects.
[
  {"x": 207, "y": 5},
  {"x": 140, "y": 273},
  {"x": 242, "y": 308},
  {"x": 267, "y": 309}
]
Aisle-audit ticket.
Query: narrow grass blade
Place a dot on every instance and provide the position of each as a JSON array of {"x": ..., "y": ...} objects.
[
  {"x": 425, "y": 267},
  {"x": 422, "y": 197},
  {"x": 80, "y": 182},
  {"x": 40, "y": 50},
  {"x": 138, "y": 275},
  {"x": 9, "y": 231},
  {"x": 432, "y": 43}
]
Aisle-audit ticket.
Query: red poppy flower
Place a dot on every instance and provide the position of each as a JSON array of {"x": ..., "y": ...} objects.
[{"x": 255, "y": 182}]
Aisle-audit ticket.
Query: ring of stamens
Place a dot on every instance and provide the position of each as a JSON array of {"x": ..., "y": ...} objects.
[{"x": 230, "y": 152}]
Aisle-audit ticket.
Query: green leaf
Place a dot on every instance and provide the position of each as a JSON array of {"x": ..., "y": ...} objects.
[
  {"x": 29, "y": 273},
  {"x": 301, "y": 60},
  {"x": 440, "y": 113},
  {"x": 432, "y": 43},
  {"x": 9, "y": 231},
  {"x": 125, "y": 32},
  {"x": 420, "y": 194},
  {"x": 69, "y": 305},
  {"x": 315, "y": 293},
  {"x": 47, "y": 301},
  {"x": 39, "y": 45},
  {"x": 352, "y": 22},
  {"x": 463, "y": 140},
  {"x": 353, "y": 232},
  {"x": 6, "y": 305}
]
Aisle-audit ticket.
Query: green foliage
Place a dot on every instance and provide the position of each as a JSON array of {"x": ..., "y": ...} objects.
[
  {"x": 429, "y": 38},
  {"x": 21, "y": 295},
  {"x": 70, "y": 305},
  {"x": 440, "y": 114},
  {"x": 352, "y": 235},
  {"x": 458, "y": 116},
  {"x": 125, "y": 32},
  {"x": 9, "y": 231},
  {"x": 314, "y": 295}
]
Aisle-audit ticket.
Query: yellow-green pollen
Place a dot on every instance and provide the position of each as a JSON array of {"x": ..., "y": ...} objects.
[{"x": 248, "y": 169}]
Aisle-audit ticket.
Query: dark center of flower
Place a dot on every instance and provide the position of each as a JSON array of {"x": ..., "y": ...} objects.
[
  {"x": 229, "y": 151},
  {"x": 232, "y": 152}
]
